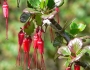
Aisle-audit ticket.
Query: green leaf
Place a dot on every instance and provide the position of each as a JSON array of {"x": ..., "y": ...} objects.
[
  {"x": 64, "y": 50},
  {"x": 76, "y": 28},
  {"x": 85, "y": 58},
  {"x": 31, "y": 10},
  {"x": 74, "y": 31},
  {"x": 29, "y": 5},
  {"x": 34, "y": 3},
  {"x": 59, "y": 3},
  {"x": 81, "y": 27},
  {"x": 87, "y": 48},
  {"x": 46, "y": 2},
  {"x": 30, "y": 29},
  {"x": 75, "y": 45},
  {"x": 57, "y": 41},
  {"x": 51, "y": 4},
  {"x": 56, "y": 56},
  {"x": 38, "y": 19},
  {"x": 67, "y": 63},
  {"x": 42, "y": 4},
  {"x": 73, "y": 26}
]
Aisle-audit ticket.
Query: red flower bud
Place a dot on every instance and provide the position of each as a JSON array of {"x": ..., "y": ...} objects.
[
  {"x": 20, "y": 38},
  {"x": 76, "y": 67},
  {"x": 26, "y": 44},
  {"x": 5, "y": 13},
  {"x": 5, "y": 9}
]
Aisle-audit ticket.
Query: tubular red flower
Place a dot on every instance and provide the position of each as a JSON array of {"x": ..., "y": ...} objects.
[
  {"x": 40, "y": 44},
  {"x": 20, "y": 38},
  {"x": 26, "y": 46},
  {"x": 20, "y": 41},
  {"x": 35, "y": 39},
  {"x": 5, "y": 13}
]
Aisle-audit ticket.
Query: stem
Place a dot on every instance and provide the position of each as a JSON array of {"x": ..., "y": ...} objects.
[
  {"x": 85, "y": 37},
  {"x": 25, "y": 60},
  {"x": 58, "y": 28},
  {"x": 84, "y": 65}
]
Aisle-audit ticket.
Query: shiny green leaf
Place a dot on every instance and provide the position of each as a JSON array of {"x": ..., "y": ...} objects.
[
  {"x": 81, "y": 27},
  {"x": 85, "y": 58},
  {"x": 31, "y": 10},
  {"x": 75, "y": 45},
  {"x": 76, "y": 28},
  {"x": 30, "y": 29},
  {"x": 57, "y": 41},
  {"x": 34, "y": 3},
  {"x": 64, "y": 50},
  {"x": 51, "y": 4},
  {"x": 42, "y": 4},
  {"x": 38, "y": 19}
]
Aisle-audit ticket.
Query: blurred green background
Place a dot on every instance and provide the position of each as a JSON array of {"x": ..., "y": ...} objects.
[{"x": 79, "y": 9}]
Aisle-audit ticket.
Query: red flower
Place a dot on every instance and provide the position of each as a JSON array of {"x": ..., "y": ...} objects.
[
  {"x": 5, "y": 13},
  {"x": 76, "y": 67}
]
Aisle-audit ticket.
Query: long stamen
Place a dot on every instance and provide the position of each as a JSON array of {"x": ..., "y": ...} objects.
[
  {"x": 6, "y": 28},
  {"x": 42, "y": 62}
]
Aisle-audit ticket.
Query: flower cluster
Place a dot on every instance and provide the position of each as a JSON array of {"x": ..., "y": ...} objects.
[{"x": 25, "y": 41}]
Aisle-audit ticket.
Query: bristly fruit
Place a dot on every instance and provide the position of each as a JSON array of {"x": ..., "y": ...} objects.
[{"x": 5, "y": 13}]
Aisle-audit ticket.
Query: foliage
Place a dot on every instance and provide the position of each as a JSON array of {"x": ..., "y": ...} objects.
[{"x": 8, "y": 49}]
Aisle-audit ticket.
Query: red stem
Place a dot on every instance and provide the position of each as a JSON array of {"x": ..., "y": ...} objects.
[
  {"x": 42, "y": 63},
  {"x": 6, "y": 28},
  {"x": 18, "y": 57}
]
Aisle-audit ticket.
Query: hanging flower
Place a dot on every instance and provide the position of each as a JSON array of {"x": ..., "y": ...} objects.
[
  {"x": 26, "y": 47},
  {"x": 20, "y": 41},
  {"x": 5, "y": 13}
]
